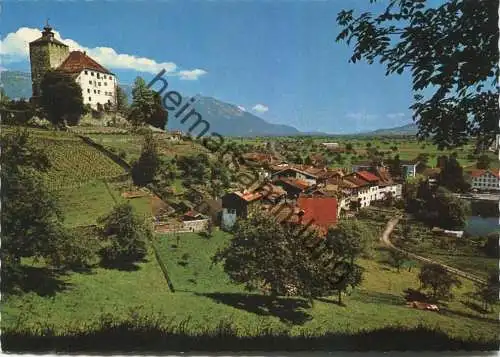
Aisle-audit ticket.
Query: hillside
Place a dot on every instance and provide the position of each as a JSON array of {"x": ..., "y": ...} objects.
[
  {"x": 228, "y": 120},
  {"x": 408, "y": 129},
  {"x": 16, "y": 84}
]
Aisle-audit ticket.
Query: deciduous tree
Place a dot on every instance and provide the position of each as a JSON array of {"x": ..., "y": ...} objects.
[
  {"x": 437, "y": 278},
  {"x": 146, "y": 167},
  {"x": 451, "y": 51},
  {"x": 61, "y": 98},
  {"x": 126, "y": 235}
]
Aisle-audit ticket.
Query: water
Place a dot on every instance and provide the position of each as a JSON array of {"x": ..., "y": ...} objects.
[{"x": 481, "y": 226}]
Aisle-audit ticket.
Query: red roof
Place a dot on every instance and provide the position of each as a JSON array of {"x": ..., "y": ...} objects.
[
  {"x": 477, "y": 173},
  {"x": 78, "y": 61},
  {"x": 368, "y": 176},
  {"x": 249, "y": 196},
  {"x": 320, "y": 210},
  {"x": 298, "y": 183},
  {"x": 358, "y": 181},
  {"x": 495, "y": 173}
]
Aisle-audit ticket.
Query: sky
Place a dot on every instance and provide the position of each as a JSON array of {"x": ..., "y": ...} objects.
[{"x": 278, "y": 60}]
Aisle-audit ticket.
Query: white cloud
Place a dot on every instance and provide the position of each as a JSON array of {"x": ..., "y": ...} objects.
[
  {"x": 361, "y": 116},
  {"x": 242, "y": 108},
  {"x": 14, "y": 47},
  {"x": 395, "y": 115},
  {"x": 192, "y": 75},
  {"x": 260, "y": 108}
]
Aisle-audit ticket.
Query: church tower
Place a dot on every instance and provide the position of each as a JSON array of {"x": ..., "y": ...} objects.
[{"x": 45, "y": 53}]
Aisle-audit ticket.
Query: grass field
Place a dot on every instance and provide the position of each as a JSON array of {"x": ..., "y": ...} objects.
[
  {"x": 73, "y": 162},
  {"x": 204, "y": 296},
  {"x": 130, "y": 145},
  {"x": 458, "y": 254},
  {"x": 84, "y": 204}
]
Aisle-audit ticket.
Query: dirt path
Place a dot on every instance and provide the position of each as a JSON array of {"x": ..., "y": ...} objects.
[{"x": 384, "y": 238}]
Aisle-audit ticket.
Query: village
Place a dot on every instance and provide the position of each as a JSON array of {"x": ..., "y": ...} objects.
[{"x": 280, "y": 198}]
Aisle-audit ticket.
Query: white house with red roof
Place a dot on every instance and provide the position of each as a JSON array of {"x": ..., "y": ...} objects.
[
  {"x": 98, "y": 83},
  {"x": 485, "y": 179}
]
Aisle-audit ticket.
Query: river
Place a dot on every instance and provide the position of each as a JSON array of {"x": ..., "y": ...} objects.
[{"x": 484, "y": 218}]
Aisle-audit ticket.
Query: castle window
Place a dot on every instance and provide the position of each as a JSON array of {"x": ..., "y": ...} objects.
[
  {"x": 95, "y": 91},
  {"x": 91, "y": 73},
  {"x": 99, "y": 84},
  {"x": 110, "y": 77},
  {"x": 90, "y": 99},
  {"x": 105, "y": 83},
  {"x": 86, "y": 72},
  {"x": 88, "y": 90},
  {"x": 98, "y": 92},
  {"x": 90, "y": 82}
]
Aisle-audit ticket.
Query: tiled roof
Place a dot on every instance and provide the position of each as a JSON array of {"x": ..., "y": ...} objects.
[
  {"x": 249, "y": 196},
  {"x": 321, "y": 210},
  {"x": 357, "y": 181},
  {"x": 384, "y": 175},
  {"x": 368, "y": 176},
  {"x": 298, "y": 183},
  {"x": 477, "y": 172},
  {"x": 78, "y": 61}
]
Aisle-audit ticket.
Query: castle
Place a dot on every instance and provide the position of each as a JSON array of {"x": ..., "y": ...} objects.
[{"x": 97, "y": 83}]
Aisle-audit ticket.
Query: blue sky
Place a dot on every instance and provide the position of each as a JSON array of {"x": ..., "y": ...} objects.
[{"x": 279, "y": 56}]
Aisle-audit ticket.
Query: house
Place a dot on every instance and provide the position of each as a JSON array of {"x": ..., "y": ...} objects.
[
  {"x": 175, "y": 135},
  {"x": 194, "y": 221},
  {"x": 485, "y": 180},
  {"x": 97, "y": 83},
  {"x": 272, "y": 193},
  {"x": 386, "y": 185},
  {"x": 409, "y": 168},
  {"x": 330, "y": 145},
  {"x": 361, "y": 165},
  {"x": 308, "y": 174},
  {"x": 358, "y": 189},
  {"x": 238, "y": 205},
  {"x": 293, "y": 186},
  {"x": 318, "y": 211}
]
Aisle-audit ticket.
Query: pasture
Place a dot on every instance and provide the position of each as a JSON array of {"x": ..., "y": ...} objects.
[{"x": 204, "y": 297}]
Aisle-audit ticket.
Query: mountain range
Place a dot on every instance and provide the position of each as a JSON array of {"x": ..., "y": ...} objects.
[{"x": 224, "y": 118}]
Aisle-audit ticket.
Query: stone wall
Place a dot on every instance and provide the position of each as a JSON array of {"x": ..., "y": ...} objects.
[{"x": 42, "y": 58}]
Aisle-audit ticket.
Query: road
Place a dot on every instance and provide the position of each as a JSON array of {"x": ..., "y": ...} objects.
[{"x": 384, "y": 238}]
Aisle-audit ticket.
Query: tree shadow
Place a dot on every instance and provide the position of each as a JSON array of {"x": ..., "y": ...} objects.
[
  {"x": 122, "y": 265},
  {"x": 474, "y": 306},
  {"x": 288, "y": 310},
  {"x": 40, "y": 280},
  {"x": 415, "y": 295},
  {"x": 331, "y": 301},
  {"x": 455, "y": 313},
  {"x": 183, "y": 263}
]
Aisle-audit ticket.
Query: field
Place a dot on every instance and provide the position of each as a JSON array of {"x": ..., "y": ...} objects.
[
  {"x": 84, "y": 204},
  {"x": 459, "y": 253},
  {"x": 129, "y": 145},
  {"x": 408, "y": 148},
  {"x": 204, "y": 297},
  {"x": 73, "y": 162}
]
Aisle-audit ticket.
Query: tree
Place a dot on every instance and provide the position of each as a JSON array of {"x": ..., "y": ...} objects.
[
  {"x": 350, "y": 239},
  {"x": 121, "y": 101},
  {"x": 437, "y": 278},
  {"x": 31, "y": 216},
  {"x": 451, "y": 175},
  {"x": 452, "y": 212},
  {"x": 395, "y": 167},
  {"x": 398, "y": 258},
  {"x": 451, "y": 52},
  {"x": 159, "y": 116},
  {"x": 348, "y": 147},
  {"x": 126, "y": 235},
  {"x": 483, "y": 162},
  {"x": 143, "y": 103},
  {"x": 281, "y": 259},
  {"x": 146, "y": 167},
  {"x": 61, "y": 98},
  {"x": 488, "y": 294}
]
